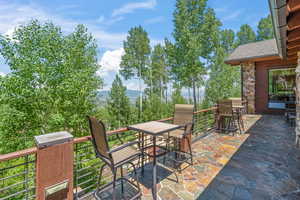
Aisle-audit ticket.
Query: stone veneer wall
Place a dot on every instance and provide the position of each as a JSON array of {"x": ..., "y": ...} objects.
[
  {"x": 248, "y": 70},
  {"x": 298, "y": 101}
]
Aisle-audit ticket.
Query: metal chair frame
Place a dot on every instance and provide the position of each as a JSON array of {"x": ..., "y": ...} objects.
[
  {"x": 226, "y": 113},
  {"x": 187, "y": 126},
  {"x": 108, "y": 160}
]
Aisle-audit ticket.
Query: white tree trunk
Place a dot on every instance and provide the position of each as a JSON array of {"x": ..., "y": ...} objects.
[{"x": 141, "y": 93}]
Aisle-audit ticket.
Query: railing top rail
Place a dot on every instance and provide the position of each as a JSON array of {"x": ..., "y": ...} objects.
[
  {"x": 86, "y": 138},
  {"x": 33, "y": 150},
  {"x": 205, "y": 110},
  {"x": 18, "y": 154}
]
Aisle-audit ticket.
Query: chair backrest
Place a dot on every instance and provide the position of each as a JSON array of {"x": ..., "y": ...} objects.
[
  {"x": 236, "y": 101},
  {"x": 183, "y": 114},
  {"x": 225, "y": 107},
  {"x": 99, "y": 138}
]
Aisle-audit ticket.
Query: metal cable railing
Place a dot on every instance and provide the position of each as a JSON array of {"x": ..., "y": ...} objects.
[
  {"x": 17, "y": 169},
  {"x": 87, "y": 166},
  {"x": 204, "y": 121},
  {"x": 17, "y": 178}
]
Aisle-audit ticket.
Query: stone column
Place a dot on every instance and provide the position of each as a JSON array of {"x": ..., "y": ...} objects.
[
  {"x": 297, "y": 93},
  {"x": 248, "y": 70}
]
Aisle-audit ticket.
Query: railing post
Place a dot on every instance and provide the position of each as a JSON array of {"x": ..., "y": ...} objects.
[{"x": 54, "y": 166}]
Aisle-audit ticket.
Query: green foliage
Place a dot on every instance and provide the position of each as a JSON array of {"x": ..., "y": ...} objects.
[
  {"x": 134, "y": 61},
  {"x": 154, "y": 108},
  {"x": 227, "y": 39},
  {"x": 245, "y": 35},
  {"x": 224, "y": 80},
  {"x": 52, "y": 84},
  {"x": 177, "y": 98},
  {"x": 137, "y": 50},
  {"x": 194, "y": 34},
  {"x": 158, "y": 74},
  {"x": 265, "y": 29},
  {"x": 118, "y": 105}
]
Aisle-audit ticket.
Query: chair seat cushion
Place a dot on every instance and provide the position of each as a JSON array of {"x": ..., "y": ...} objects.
[{"x": 124, "y": 154}]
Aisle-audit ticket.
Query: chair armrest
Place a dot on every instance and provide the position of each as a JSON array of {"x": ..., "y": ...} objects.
[
  {"x": 188, "y": 127},
  {"x": 123, "y": 146}
]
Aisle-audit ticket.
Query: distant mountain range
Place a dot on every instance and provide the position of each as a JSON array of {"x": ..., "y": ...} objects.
[{"x": 132, "y": 95}]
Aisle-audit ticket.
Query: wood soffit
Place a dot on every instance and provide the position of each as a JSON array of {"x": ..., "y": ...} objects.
[{"x": 293, "y": 30}]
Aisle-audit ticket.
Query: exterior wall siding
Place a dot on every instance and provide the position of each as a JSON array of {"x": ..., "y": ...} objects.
[{"x": 261, "y": 88}]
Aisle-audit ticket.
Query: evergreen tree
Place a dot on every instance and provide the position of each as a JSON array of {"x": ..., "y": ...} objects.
[
  {"x": 227, "y": 38},
  {"x": 245, "y": 35},
  {"x": 177, "y": 98},
  {"x": 118, "y": 105},
  {"x": 134, "y": 61},
  {"x": 265, "y": 29},
  {"x": 194, "y": 34}
]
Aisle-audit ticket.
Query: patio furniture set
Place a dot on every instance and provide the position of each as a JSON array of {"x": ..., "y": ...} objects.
[{"x": 229, "y": 113}]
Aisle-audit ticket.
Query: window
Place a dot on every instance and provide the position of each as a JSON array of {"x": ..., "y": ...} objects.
[{"x": 281, "y": 87}]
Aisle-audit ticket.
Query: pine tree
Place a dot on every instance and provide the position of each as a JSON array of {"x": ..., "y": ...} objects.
[
  {"x": 245, "y": 35},
  {"x": 134, "y": 61},
  {"x": 265, "y": 29},
  {"x": 118, "y": 104}
]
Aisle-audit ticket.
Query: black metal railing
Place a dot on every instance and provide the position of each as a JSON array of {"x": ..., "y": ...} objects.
[
  {"x": 17, "y": 170},
  {"x": 17, "y": 178},
  {"x": 205, "y": 121},
  {"x": 87, "y": 166}
]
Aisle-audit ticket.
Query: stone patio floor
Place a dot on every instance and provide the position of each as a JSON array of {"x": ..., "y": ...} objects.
[{"x": 260, "y": 164}]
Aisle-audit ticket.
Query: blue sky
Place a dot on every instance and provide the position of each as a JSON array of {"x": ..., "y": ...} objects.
[{"x": 110, "y": 20}]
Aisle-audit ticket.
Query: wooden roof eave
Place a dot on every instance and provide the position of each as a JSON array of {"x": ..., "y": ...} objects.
[
  {"x": 293, "y": 34},
  {"x": 252, "y": 59},
  {"x": 278, "y": 13}
]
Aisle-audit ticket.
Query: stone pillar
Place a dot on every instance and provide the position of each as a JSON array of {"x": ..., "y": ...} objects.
[
  {"x": 54, "y": 166},
  {"x": 297, "y": 93},
  {"x": 248, "y": 74}
]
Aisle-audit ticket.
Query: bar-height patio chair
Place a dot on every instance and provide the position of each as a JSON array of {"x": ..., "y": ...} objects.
[
  {"x": 239, "y": 109},
  {"x": 227, "y": 118},
  {"x": 184, "y": 116},
  {"x": 114, "y": 158}
]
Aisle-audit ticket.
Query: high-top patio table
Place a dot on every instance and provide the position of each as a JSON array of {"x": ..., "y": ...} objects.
[{"x": 153, "y": 129}]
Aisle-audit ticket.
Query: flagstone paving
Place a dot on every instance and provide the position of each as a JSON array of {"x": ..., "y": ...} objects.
[{"x": 260, "y": 164}]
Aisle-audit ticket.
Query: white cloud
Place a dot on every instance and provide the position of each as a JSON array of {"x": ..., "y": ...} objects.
[
  {"x": 155, "y": 20},
  {"x": 67, "y": 7},
  {"x": 134, "y": 85},
  {"x": 131, "y": 7},
  {"x": 232, "y": 16},
  {"x": 106, "y": 21},
  {"x": 110, "y": 61},
  {"x": 154, "y": 42},
  {"x": 2, "y": 74},
  {"x": 18, "y": 14}
]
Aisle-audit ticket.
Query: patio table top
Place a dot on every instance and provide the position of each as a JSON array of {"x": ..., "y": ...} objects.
[{"x": 154, "y": 128}]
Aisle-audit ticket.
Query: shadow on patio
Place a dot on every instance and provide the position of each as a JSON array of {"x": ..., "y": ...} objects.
[
  {"x": 266, "y": 166},
  {"x": 260, "y": 164}
]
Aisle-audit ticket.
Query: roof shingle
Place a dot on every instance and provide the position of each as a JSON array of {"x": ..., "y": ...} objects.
[{"x": 253, "y": 50}]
